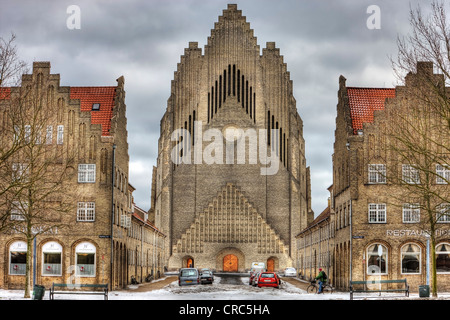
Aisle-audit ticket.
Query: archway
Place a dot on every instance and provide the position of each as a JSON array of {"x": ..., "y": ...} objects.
[
  {"x": 187, "y": 262},
  {"x": 230, "y": 263}
]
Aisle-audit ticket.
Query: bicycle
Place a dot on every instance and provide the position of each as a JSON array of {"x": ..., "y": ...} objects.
[{"x": 314, "y": 287}]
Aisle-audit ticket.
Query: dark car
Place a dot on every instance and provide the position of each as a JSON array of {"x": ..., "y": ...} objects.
[
  {"x": 206, "y": 276},
  {"x": 268, "y": 279}
]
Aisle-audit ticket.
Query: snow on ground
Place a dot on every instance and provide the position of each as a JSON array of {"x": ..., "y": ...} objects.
[{"x": 218, "y": 291}]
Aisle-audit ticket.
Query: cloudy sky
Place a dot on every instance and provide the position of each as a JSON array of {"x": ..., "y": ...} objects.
[{"x": 144, "y": 39}]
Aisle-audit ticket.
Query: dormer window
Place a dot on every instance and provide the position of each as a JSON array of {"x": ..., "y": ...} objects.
[{"x": 95, "y": 106}]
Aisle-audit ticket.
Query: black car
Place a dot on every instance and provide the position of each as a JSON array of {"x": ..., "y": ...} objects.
[{"x": 206, "y": 276}]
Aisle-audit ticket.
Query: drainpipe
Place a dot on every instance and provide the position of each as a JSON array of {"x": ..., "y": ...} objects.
[
  {"x": 112, "y": 215},
  {"x": 351, "y": 241}
]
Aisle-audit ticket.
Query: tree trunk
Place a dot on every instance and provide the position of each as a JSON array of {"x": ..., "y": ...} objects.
[
  {"x": 433, "y": 268},
  {"x": 28, "y": 266}
]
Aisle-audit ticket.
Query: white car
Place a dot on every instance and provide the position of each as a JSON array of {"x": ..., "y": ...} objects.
[{"x": 290, "y": 272}]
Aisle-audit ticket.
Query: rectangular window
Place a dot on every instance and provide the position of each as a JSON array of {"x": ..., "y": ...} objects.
[
  {"x": 20, "y": 172},
  {"x": 18, "y": 260},
  {"x": 443, "y": 174},
  {"x": 52, "y": 264},
  {"x": 60, "y": 134},
  {"x": 18, "y": 211},
  {"x": 377, "y": 213},
  {"x": 411, "y": 212},
  {"x": 27, "y": 134},
  {"x": 443, "y": 213},
  {"x": 85, "y": 264},
  {"x": 86, "y": 211},
  {"x": 86, "y": 173},
  {"x": 377, "y": 173},
  {"x": 49, "y": 135},
  {"x": 410, "y": 174}
]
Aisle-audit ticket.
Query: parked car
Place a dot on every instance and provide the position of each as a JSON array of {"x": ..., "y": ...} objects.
[
  {"x": 252, "y": 276},
  {"x": 268, "y": 279},
  {"x": 255, "y": 279},
  {"x": 206, "y": 276},
  {"x": 290, "y": 272},
  {"x": 188, "y": 276}
]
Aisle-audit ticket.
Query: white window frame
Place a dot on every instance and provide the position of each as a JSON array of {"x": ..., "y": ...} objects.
[
  {"x": 442, "y": 252},
  {"x": 17, "y": 269},
  {"x": 418, "y": 254},
  {"x": 443, "y": 213},
  {"x": 410, "y": 174},
  {"x": 17, "y": 211},
  {"x": 385, "y": 255},
  {"x": 49, "y": 135},
  {"x": 81, "y": 270},
  {"x": 60, "y": 135},
  {"x": 442, "y": 173},
  {"x": 86, "y": 173},
  {"x": 377, "y": 213},
  {"x": 20, "y": 172},
  {"x": 377, "y": 173},
  {"x": 27, "y": 133},
  {"x": 86, "y": 211},
  {"x": 411, "y": 212},
  {"x": 51, "y": 270}
]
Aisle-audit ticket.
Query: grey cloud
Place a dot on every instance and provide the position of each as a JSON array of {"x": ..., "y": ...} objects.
[{"x": 143, "y": 40}]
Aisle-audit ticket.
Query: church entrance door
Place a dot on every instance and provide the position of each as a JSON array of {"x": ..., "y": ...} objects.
[
  {"x": 270, "y": 265},
  {"x": 230, "y": 263}
]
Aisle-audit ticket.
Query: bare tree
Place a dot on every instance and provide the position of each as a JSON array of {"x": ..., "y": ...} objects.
[
  {"x": 11, "y": 67},
  {"x": 429, "y": 41},
  {"x": 11, "y": 70},
  {"x": 38, "y": 174},
  {"x": 419, "y": 140}
]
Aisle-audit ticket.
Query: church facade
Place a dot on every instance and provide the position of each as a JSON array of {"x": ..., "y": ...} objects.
[{"x": 231, "y": 185}]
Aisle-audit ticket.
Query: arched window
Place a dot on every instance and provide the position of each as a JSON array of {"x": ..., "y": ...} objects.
[
  {"x": 17, "y": 258},
  {"x": 85, "y": 259},
  {"x": 410, "y": 258},
  {"x": 377, "y": 259},
  {"x": 443, "y": 258},
  {"x": 51, "y": 257}
]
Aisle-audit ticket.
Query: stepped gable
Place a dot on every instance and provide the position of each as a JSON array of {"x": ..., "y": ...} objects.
[
  {"x": 91, "y": 95},
  {"x": 363, "y": 103}
]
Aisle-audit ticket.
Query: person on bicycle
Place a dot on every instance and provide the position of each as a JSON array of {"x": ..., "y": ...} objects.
[{"x": 322, "y": 277}]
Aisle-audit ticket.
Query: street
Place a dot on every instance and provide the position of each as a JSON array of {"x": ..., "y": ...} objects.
[{"x": 225, "y": 287}]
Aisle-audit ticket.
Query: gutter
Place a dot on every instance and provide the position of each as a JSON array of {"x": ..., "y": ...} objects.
[{"x": 112, "y": 214}]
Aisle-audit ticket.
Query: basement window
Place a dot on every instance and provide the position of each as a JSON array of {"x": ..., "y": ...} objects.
[{"x": 95, "y": 106}]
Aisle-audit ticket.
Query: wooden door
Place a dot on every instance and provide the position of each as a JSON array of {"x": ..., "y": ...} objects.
[
  {"x": 230, "y": 263},
  {"x": 270, "y": 265},
  {"x": 190, "y": 263}
]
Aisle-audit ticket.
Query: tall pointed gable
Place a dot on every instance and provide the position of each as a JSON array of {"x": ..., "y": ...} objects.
[{"x": 232, "y": 36}]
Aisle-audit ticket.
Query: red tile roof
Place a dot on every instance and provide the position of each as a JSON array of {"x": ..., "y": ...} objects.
[
  {"x": 90, "y": 95},
  {"x": 364, "y": 101},
  {"x": 5, "y": 93}
]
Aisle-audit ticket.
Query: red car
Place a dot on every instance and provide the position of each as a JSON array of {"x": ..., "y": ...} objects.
[{"x": 268, "y": 279}]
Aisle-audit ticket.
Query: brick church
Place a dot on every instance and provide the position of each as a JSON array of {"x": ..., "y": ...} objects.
[{"x": 231, "y": 185}]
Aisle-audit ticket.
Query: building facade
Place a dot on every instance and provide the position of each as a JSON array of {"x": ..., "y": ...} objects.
[
  {"x": 380, "y": 224},
  {"x": 229, "y": 191},
  {"x": 90, "y": 242},
  {"x": 146, "y": 248},
  {"x": 315, "y": 248}
]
